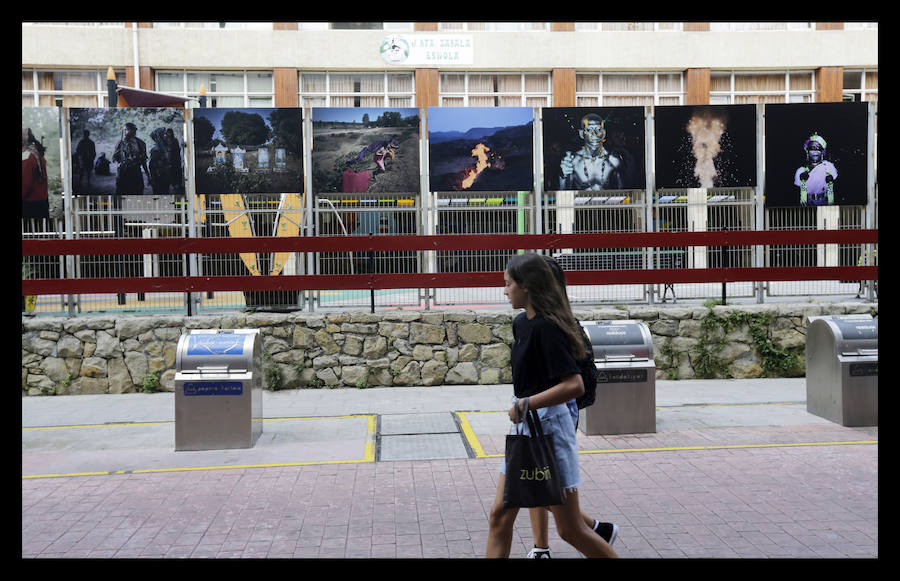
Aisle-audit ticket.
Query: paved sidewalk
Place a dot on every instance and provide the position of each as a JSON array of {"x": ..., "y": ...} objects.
[{"x": 736, "y": 469}]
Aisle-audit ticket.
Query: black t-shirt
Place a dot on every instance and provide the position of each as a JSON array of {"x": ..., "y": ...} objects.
[{"x": 541, "y": 355}]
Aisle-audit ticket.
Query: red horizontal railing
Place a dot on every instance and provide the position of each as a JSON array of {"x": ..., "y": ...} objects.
[
  {"x": 87, "y": 246},
  {"x": 360, "y": 244}
]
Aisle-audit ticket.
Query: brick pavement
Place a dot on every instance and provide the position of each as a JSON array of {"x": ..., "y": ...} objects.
[{"x": 800, "y": 501}]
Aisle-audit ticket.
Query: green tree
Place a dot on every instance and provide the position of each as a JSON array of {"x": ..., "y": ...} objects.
[
  {"x": 286, "y": 129},
  {"x": 241, "y": 128},
  {"x": 203, "y": 132}
]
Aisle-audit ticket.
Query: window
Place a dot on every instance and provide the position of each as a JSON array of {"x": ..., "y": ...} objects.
[
  {"x": 97, "y": 24},
  {"x": 223, "y": 89},
  {"x": 740, "y": 26},
  {"x": 370, "y": 25},
  {"x": 494, "y": 89},
  {"x": 732, "y": 87},
  {"x": 216, "y": 25},
  {"x": 356, "y": 26},
  {"x": 628, "y": 89},
  {"x": 66, "y": 88},
  {"x": 608, "y": 26},
  {"x": 494, "y": 26},
  {"x": 861, "y": 85},
  {"x": 325, "y": 89},
  {"x": 860, "y": 25}
]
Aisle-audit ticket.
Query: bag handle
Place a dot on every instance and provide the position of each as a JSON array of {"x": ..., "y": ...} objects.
[
  {"x": 531, "y": 416},
  {"x": 534, "y": 424}
]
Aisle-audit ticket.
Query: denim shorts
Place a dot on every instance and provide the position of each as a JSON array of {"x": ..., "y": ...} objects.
[{"x": 559, "y": 421}]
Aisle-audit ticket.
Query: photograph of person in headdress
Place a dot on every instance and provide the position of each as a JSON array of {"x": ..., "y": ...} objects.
[
  {"x": 816, "y": 177},
  {"x": 816, "y": 154}
]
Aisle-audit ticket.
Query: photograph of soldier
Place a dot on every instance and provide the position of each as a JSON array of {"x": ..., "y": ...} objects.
[
  {"x": 101, "y": 166},
  {"x": 159, "y": 163},
  {"x": 35, "y": 196},
  {"x": 41, "y": 163},
  {"x": 593, "y": 148},
  {"x": 131, "y": 156},
  {"x": 175, "y": 159},
  {"x": 816, "y": 154},
  {"x": 83, "y": 163},
  {"x": 125, "y": 141}
]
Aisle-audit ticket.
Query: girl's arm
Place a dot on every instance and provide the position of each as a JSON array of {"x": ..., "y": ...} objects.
[{"x": 568, "y": 388}]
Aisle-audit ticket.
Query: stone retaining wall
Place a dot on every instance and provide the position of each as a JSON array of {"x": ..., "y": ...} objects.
[{"x": 121, "y": 354}]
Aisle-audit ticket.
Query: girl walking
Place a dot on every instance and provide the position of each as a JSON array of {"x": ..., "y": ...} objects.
[{"x": 546, "y": 375}]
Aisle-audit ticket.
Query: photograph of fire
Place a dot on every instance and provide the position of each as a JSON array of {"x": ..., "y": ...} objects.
[
  {"x": 481, "y": 148},
  {"x": 705, "y": 146}
]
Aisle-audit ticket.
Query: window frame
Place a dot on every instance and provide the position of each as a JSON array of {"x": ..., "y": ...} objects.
[
  {"x": 601, "y": 94},
  {"x": 328, "y": 94},
  {"x": 100, "y": 91},
  {"x": 522, "y": 93},
  {"x": 790, "y": 95},
  {"x": 251, "y": 99}
]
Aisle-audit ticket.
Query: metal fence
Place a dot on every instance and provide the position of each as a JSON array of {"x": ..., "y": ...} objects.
[{"x": 446, "y": 213}]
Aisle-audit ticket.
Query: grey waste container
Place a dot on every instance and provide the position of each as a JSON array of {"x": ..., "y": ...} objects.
[
  {"x": 218, "y": 389},
  {"x": 626, "y": 379},
  {"x": 842, "y": 369}
]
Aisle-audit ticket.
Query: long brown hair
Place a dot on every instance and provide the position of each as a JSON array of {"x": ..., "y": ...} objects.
[{"x": 547, "y": 295}]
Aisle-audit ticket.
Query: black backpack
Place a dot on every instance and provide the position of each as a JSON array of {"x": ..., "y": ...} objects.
[{"x": 588, "y": 374}]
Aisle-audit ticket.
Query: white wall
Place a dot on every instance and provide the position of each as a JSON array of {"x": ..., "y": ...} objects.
[{"x": 207, "y": 49}]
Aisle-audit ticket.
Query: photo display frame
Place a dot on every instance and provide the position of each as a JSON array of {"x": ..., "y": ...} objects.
[
  {"x": 127, "y": 151},
  {"x": 594, "y": 148},
  {"x": 705, "y": 146},
  {"x": 816, "y": 154},
  {"x": 248, "y": 150},
  {"x": 481, "y": 149},
  {"x": 366, "y": 150}
]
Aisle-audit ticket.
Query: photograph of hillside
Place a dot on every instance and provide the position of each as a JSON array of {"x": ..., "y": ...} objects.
[
  {"x": 365, "y": 150},
  {"x": 481, "y": 149}
]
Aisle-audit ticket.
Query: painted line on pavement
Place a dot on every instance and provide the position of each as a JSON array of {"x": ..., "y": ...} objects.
[
  {"x": 477, "y": 448},
  {"x": 368, "y": 452}
]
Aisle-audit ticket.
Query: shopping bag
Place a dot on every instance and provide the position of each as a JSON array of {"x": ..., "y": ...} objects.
[{"x": 531, "y": 474}]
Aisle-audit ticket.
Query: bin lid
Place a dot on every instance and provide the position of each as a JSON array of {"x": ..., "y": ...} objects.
[
  {"x": 853, "y": 334},
  {"x": 218, "y": 350},
  {"x": 619, "y": 339}
]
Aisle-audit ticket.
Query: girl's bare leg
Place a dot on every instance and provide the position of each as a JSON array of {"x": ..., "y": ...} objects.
[
  {"x": 572, "y": 528},
  {"x": 500, "y": 523},
  {"x": 539, "y": 518}
]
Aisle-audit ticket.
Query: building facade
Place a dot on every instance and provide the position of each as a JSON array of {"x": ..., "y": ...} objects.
[{"x": 290, "y": 64}]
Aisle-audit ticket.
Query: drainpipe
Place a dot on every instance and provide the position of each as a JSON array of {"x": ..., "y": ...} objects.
[{"x": 135, "y": 51}]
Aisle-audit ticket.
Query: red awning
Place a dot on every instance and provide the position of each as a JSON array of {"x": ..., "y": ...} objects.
[{"x": 132, "y": 97}]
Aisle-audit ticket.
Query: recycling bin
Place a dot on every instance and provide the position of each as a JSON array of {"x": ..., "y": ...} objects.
[
  {"x": 842, "y": 369},
  {"x": 626, "y": 379},
  {"x": 218, "y": 389}
]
